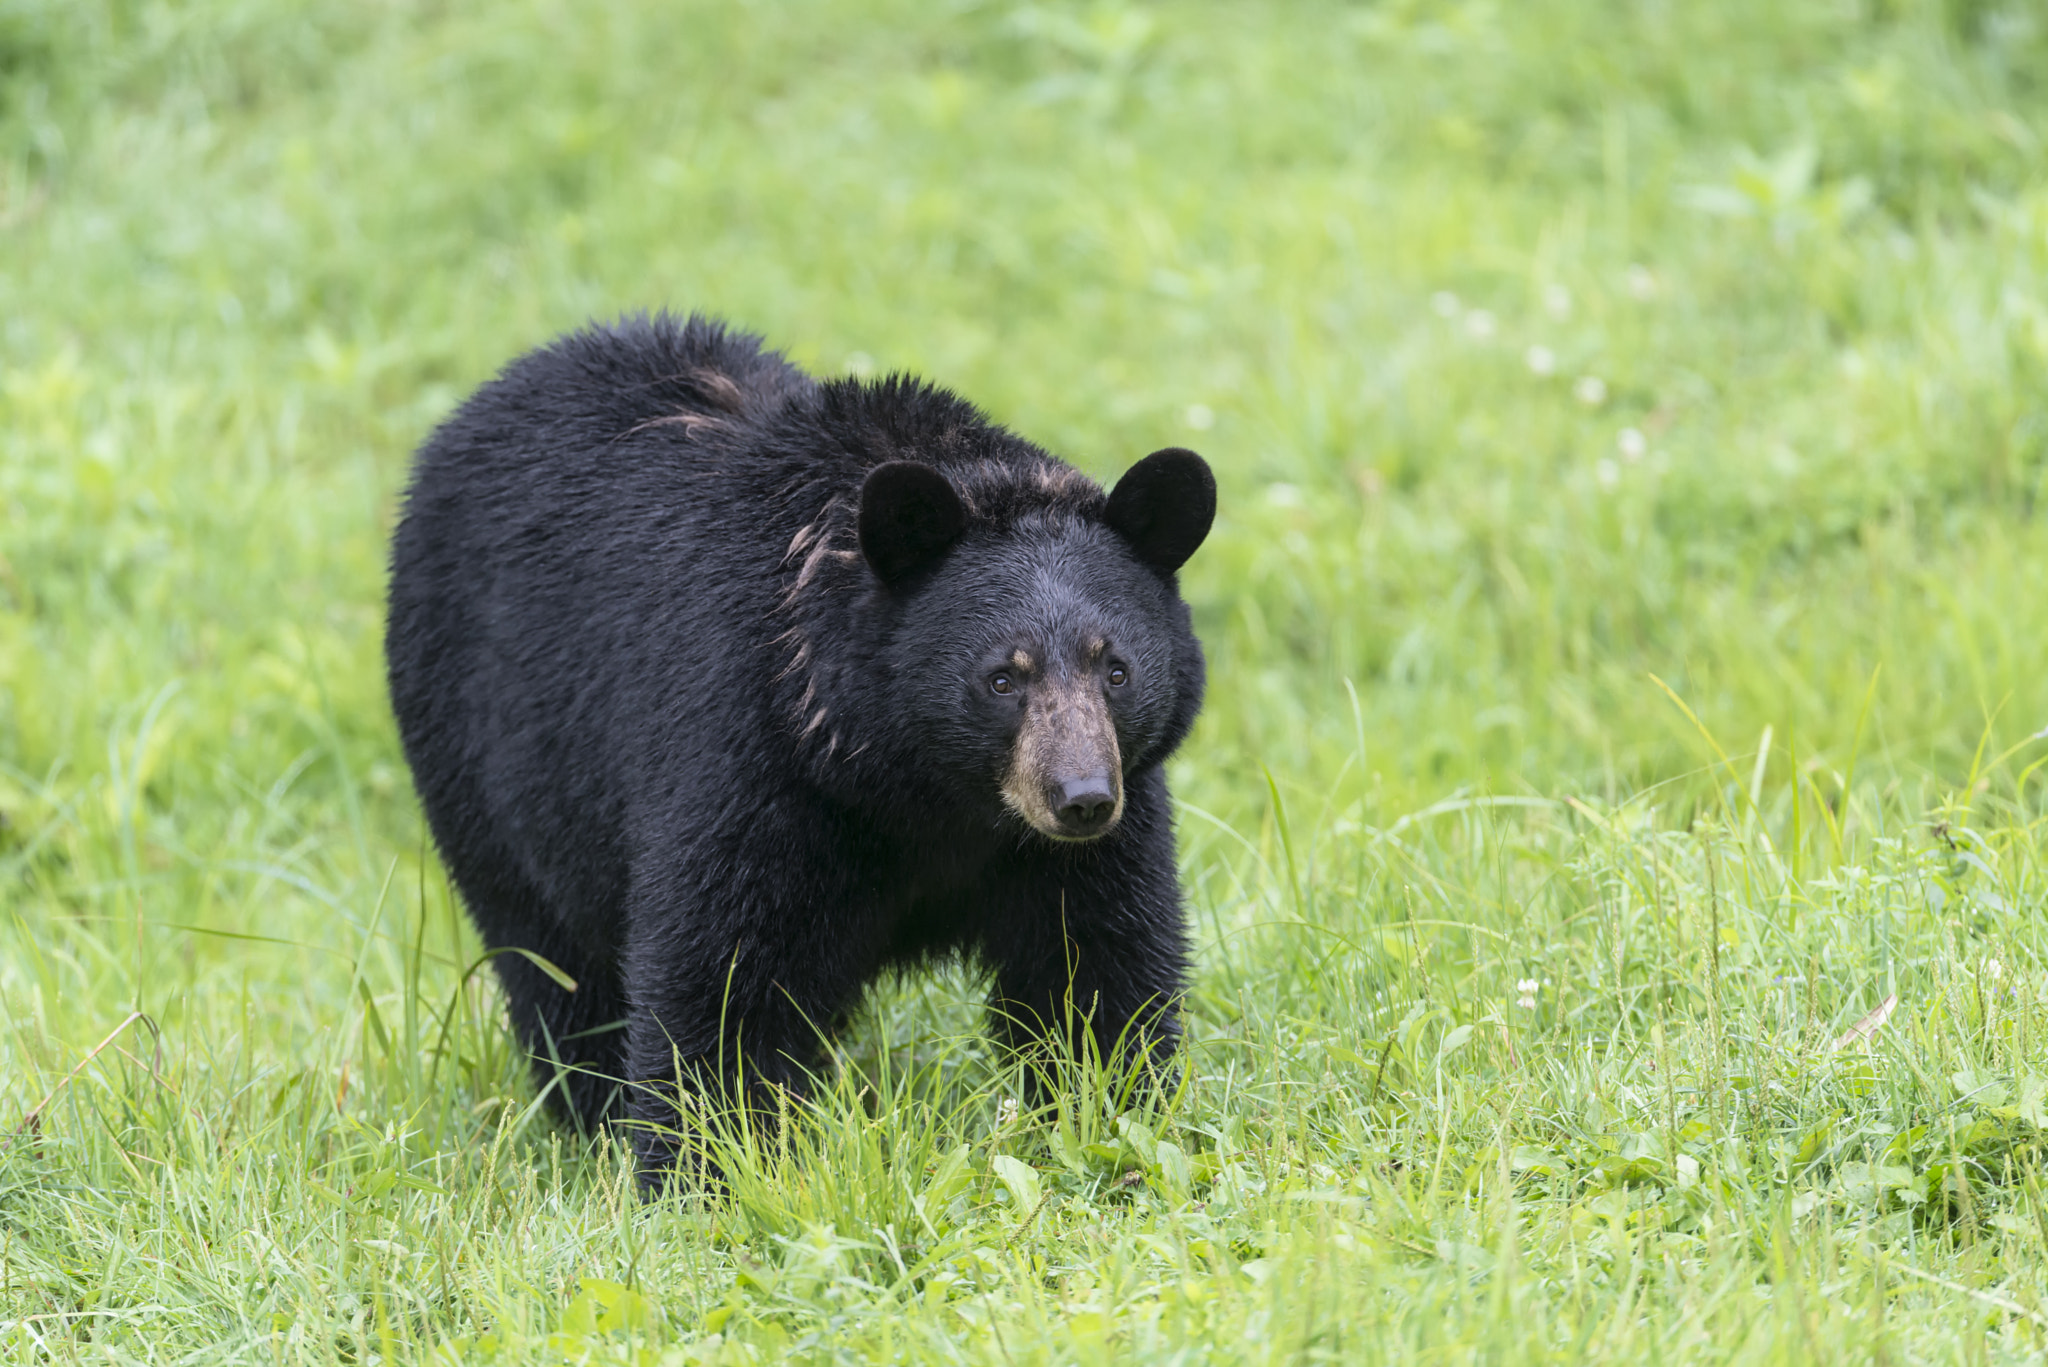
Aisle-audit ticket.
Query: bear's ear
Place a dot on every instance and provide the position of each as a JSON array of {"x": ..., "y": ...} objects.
[
  {"x": 1163, "y": 507},
  {"x": 909, "y": 515}
]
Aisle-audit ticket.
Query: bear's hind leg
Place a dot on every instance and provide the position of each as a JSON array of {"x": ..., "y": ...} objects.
[{"x": 577, "y": 1040}]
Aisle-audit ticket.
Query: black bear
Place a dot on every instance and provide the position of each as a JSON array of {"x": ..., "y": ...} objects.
[{"x": 726, "y": 690}]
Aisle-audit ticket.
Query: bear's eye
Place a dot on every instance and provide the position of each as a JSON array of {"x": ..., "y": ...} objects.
[
  {"x": 1000, "y": 684},
  {"x": 1118, "y": 676}
]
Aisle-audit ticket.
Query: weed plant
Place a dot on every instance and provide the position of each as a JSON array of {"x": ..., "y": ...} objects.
[{"x": 1615, "y": 835}]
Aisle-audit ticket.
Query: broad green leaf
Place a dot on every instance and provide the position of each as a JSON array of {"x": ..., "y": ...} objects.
[
  {"x": 951, "y": 1174},
  {"x": 1020, "y": 1179},
  {"x": 2033, "y": 1102},
  {"x": 1067, "y": 1148},
  {"x": 1136, "y": 1134},
  {"x": 1172, "y": 1167}
]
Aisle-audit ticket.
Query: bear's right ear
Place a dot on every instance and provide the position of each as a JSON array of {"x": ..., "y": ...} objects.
[
  {"x": 909, "y": 515},
  {"x": 1163, "y": 507}
]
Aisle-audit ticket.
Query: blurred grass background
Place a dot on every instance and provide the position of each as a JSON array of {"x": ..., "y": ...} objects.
[{"x": 1544, "y": 351}]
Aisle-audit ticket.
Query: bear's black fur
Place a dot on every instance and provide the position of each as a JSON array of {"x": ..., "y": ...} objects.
[{"x": 725, "y": 690}]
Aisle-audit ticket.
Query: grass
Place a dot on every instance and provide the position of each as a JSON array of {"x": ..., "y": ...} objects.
[{"x": 1630, "y": 582}]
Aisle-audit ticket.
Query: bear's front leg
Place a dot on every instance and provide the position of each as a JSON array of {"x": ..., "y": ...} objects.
[
  {"x": 1089, "y": 942},
  {"x": 737, "y": 971}
]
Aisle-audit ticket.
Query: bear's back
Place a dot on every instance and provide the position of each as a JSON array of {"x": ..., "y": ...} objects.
[{"x": 565, "y": 550}]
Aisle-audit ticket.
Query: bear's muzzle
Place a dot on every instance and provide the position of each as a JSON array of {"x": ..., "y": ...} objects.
[{"x": 1066, "y": 771}]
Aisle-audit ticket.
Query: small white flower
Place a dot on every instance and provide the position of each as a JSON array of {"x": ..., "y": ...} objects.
[
  {"x": 1590, "y": 390},
  {"x": 1633, "y": 445},
  {"x": 1557, "y": 301},
  {"x": 1479, "y": 323},
  {"x": 1541, "y": 360},
  {"x": 1641, "y": 283},
  {"x": 1608, "y": 473},
  {"x": 1006, "y": 1113},
  {"x": 1445, "y": 303},
  {"x": 1199, "y": 416},
  {"x": 1994, "y": 969},
  {"x": 1528, "y": 988}
]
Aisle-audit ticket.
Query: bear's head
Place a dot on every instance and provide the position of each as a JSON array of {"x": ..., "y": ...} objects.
[{"x": 1041, "y": 649}]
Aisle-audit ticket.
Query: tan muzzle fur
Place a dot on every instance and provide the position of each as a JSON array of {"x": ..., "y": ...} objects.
[{"x": 1067, "y": 738}]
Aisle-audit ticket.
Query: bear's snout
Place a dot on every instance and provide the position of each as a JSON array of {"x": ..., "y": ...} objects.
[
  {"x": 1084, "y": 806},
  {"x": 1066, "y": 771}
]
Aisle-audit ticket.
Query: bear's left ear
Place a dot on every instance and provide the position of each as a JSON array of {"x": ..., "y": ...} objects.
[
  {"x": 1163, "y": 507},
  {"x": 909, "y": 515}
]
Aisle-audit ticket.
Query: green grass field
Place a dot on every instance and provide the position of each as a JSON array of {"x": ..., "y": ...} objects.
[{"x": 1628, "y": 619}]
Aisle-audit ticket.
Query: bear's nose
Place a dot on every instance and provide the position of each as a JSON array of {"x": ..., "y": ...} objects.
[{"x": 1084, "y": 805}]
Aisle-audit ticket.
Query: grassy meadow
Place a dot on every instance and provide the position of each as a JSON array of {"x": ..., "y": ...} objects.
[{"x": 1628, "y": 622}]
